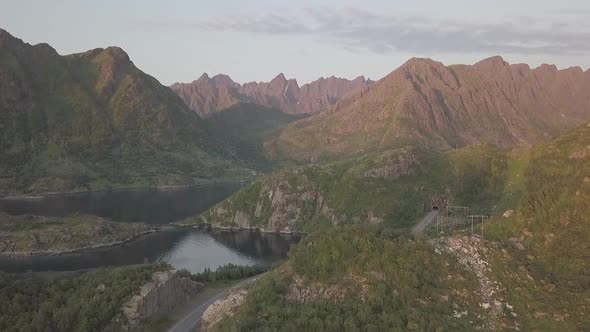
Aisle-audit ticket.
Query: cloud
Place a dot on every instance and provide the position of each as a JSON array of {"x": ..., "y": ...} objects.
[{"x": 357, "y": 29}]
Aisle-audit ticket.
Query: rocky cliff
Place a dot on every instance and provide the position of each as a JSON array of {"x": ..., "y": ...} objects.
[
  {"x": 397, "y": 187},
  {"x": 223, "y": 308},
  {"x": 164, "y": 292},
  {"x": 210, "y": 95}
]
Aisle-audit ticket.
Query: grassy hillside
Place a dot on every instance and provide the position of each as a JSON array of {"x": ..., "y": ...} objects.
[
  {"x": 245, "y": 127},
  {"x": 396, "y": 188},
  {"x": 531, "y": 272},
  {"x": 548, "y": 272},
  {"x": 94, "y": 120}
]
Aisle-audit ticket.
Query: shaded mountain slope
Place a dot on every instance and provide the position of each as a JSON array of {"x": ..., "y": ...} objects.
[
  {"x": 92, "y": 120},
  {"x": 530, "y": 272},
  {"x": 441, "y": 106},
  {"x": 245, "y": 127},
  {"x": 209, "y": 95}
]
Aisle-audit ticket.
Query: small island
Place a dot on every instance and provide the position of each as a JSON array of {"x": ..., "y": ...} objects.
[{"x": 28, "y": 235}]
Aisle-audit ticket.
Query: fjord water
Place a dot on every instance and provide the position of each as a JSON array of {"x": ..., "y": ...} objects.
[
  {"x": 148, "y": 205},
  {"x": 182, "y": 248}
]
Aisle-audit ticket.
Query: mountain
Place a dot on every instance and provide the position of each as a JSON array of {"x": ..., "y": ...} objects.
[
  {"x": 209, "y": 95},
  {"x": 431, "y": 104},
  {"x": 528, "y": 271},
  {"x": 246, "y": 126},
  {"x": 94, "y": 120}
]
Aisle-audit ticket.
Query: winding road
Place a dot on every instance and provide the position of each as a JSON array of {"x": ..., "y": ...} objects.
[
  {"x": 419, "y": 228},
  {"x": 192, "y": 320}
]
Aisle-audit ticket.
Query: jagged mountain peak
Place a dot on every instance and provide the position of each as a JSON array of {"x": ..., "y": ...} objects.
[
  {"x": 492, "y": 63},
  {"x": 280, "y": 93},
  {"x": 426, "y": 102}
]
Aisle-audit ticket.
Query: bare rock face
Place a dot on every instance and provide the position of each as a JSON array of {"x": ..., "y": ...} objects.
[
  {"x": 471, "y": 253},
  {"x": 302, "y": 291},
  {"x": 426, "y": 102},
  {"x": 164, "y": 292},
  {"x": 225, "y": 307},
  {"x": 208, "y": 95}
]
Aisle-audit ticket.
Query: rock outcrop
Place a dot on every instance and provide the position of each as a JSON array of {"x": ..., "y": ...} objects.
[
  {"x": 209, "y": 95},
  {"x": 470, "y": 252},
  {"x": 164, "y": 292},
  {"x": 223, "y": 308}
]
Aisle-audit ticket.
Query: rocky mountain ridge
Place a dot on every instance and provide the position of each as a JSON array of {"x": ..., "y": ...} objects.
[
  {"x": 93, "y": 119},
  {"x": 427, "y": 103},
  {"x": 208, "y": 95}
]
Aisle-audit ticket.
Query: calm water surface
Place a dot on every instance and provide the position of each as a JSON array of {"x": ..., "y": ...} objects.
[
  {"x": 182, "y": 248},
  {"x": 153, "y": 206}
]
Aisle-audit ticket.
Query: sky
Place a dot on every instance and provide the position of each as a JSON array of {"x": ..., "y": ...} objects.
[{"x": 254, "y": 40}]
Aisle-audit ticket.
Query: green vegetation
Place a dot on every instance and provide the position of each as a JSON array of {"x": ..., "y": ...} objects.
[
  {"x": 94, "y": 120},
  {"x": 226, "y": 272},
  {"x": 365, "y": 281},
  {"x": 88, "y": 302},
  {"x": 359, "y": 278},
  {"x": 549, "y": 280},
  {"x": 246, "y": 127},
  {"x": 396, "y": 187},
  {"x": 27, "y": 234}
]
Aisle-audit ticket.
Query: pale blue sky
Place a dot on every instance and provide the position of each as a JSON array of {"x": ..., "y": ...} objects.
[{"x": 255, "y": 40}]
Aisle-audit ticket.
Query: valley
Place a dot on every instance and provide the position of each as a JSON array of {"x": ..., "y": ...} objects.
[{"x": 437, "y": 198}]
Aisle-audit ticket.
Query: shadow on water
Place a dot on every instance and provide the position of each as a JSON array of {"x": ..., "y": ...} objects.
[
  {"x": 154, "y": 206},
  {"x": 182, "y": 248}
]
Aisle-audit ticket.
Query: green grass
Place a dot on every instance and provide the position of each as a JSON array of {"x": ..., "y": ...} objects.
[{"x": 479, "y": 177}]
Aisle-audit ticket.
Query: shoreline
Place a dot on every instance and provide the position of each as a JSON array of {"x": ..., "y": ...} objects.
[
  {"x": 80, "y": 192},
  {"x": 55, "y": 252},
  {"x": 154, "y": 230}
]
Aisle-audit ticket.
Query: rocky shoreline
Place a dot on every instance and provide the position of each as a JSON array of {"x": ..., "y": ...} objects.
[
  {"x": 22, "y": 254},
  {"x": 123, "y": 188},
  {"x": 201, "y": 227}
]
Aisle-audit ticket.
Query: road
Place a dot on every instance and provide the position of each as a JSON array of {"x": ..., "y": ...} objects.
[
  {"x": 425, "y": 222},
  {"x": 192, "y": 320}
]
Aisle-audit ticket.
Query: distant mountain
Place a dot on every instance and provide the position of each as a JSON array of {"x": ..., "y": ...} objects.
[
  {"x": 426, "y": 102},
  {"x": 245, "y": 127},
  {"x": 93, "y": 120},
  {"x": 208, "y": 95}
]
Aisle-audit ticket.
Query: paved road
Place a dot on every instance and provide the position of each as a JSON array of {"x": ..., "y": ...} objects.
[
  {"x": 425, "y": 222},
  {"x": 193, "y": 319}
]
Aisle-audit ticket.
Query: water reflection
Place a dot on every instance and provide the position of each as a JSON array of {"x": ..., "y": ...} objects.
[
  {"x": 182, "y": 248},
  {"x": 154, "y": 206}
]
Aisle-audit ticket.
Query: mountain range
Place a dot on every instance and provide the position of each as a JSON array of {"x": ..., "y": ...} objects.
[
  {"x": 427, "y": 103},
  {"x": 93, "y": 120},
  {"x": 208, "y": 95}
]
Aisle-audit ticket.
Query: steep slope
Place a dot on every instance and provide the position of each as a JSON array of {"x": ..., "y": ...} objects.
[
  {"x": 92, "y": 120},
  {"x": 209, "y": 95},
  {"x": 394, "y": 188},
  {"x": 246, "y": 126},
  {"x": 530, "y": 272},
  {"x": 445, "y": 106}
]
